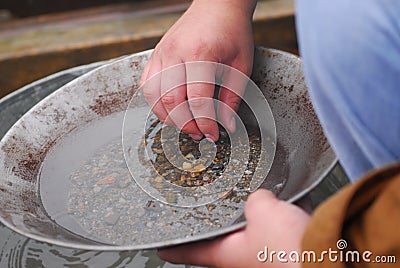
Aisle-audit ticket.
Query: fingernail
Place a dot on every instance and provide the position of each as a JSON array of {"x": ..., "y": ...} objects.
[
  {"x": 210, "y": 137},
  {"x": 196, "y": 136},
  {"x": 232, "y": 124}
]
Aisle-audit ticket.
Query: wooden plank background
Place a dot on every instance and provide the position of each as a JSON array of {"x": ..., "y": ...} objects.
[{"x": 34, "y": 47}]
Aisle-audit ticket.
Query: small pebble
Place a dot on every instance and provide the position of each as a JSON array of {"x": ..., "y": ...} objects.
[
  {"x": 206, "y": 178},
  {"x": 248, "y": 172},
  {"x": 199, "y": 168},
  {"x": 158, "y": 151},
  {"x": 140, "y": 212},
  {"x": 211, "y": 207},
  {"x": 278, "y": 187},
  {"x": 111, "y": 217},
  {"x": 186, "y": 165},
  {"x": 124, "y": 183},
  {"x": 97, "y": 189},
  {"x": 122, "y": 215}
]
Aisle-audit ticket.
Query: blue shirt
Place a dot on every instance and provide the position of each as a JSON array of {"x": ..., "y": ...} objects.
[{"x": 351, "y": 54}]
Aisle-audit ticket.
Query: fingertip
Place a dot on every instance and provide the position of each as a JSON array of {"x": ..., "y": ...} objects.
[
  {"x": 212, "y": 137},
  {"x": 196, "y": 136},
  {"x": 191, "y": 129},
  {"x": 256, "y": 203},
  {"x": 189, "y": 253},
  {"x": 175, "y": 255},
  {"x": 163, "y": 254},
  {"x": 170, "y": 255},
  {"x": 262, "y": 193},
  {"x": 208, "y": 126}
]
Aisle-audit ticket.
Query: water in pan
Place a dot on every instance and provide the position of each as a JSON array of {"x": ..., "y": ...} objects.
[
  {"x": 86, "y": 187},
  {"x": 17, "y": 251}
]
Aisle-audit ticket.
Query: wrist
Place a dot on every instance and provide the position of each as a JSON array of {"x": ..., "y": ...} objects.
[{"x": 245, "y": 7}]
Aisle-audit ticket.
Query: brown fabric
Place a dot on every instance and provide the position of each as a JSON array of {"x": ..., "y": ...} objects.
[{"x": 366, "y": 215}]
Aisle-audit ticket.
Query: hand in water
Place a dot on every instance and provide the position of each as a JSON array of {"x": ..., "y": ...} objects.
[{"x": 216, "y": 31}]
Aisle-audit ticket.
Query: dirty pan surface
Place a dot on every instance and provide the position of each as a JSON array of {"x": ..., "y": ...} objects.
[{"x": 97, "y": 205}]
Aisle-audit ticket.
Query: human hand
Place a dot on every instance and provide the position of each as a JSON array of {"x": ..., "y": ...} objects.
[
  {"x": 216, "y": 31},
  {"x": 270, "y": 222}
]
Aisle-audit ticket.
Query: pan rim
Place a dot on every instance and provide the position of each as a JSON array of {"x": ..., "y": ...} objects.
[{"x": 101, "y": 247}]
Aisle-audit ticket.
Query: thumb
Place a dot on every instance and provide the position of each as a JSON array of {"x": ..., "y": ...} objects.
[{"x": 259, "y": 203}]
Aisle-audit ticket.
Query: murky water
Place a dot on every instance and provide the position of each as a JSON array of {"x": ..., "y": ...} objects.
[
  {"x": 71, "y": 154},
  {"x": 86, "y": 187},
  {"x": 17, "y": 251}
]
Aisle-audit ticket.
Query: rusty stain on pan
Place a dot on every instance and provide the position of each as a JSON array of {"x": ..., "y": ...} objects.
[{"x": 303, "y": 156}]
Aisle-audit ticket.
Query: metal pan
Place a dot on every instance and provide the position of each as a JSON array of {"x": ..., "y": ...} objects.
[{"x": 303, "y": 156}]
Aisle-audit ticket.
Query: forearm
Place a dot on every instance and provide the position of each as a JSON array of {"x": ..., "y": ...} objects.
[{"x": 245, "y": 6}]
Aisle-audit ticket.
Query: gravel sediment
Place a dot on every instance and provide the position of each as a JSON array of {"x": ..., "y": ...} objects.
[{"x": 108, "y": 204}]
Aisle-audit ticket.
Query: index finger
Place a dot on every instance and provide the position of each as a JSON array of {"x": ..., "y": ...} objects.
[
  {"x": 221, "y": 252},
  {"x": 231, "y": 92},
  {"x": 200, "y": 91},
  {"x": 173, "y": 98}
]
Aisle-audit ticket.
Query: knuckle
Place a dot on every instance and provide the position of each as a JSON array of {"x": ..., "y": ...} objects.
[
  {"x": 149, "y": 94},
  {"x": 168, "y": 100},
  {"x": 169, "y": 46},
  {"x": 198, "y": 102},
  {"x": 200, "y": 50}
]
